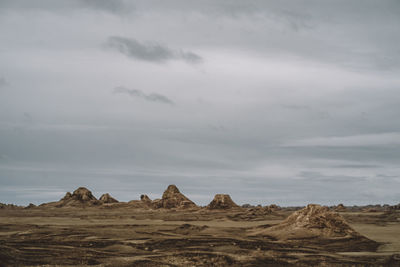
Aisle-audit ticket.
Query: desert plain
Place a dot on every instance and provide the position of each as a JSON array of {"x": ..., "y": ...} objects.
[{"x": 81, "y": 230}]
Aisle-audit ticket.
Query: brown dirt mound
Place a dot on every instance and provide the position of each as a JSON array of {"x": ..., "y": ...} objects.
[
  {"x": 222, "y": 201},
  {"x": 173, "y": 198},
  {"x": 106, "y": 198},
  {"x": 312, "y": 221}
]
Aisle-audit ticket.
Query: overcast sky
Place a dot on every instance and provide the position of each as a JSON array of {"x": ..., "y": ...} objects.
[{"x": 286, "y": 102}]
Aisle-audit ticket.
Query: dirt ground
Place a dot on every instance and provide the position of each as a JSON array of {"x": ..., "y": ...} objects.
[{"x": 100, "y": 236}]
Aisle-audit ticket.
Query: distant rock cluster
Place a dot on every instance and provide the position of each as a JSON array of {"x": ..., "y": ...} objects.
[{"x": 172, "y": 198}]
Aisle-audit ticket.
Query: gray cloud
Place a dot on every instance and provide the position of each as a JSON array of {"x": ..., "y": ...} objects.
[
  {"x": 3, "y": 82},
  {"x": 152, "y": 97},
  {"x": 119, "y": 7},
  {"x": 113, "y": 6},
  {"x": 150, "y": 51}
]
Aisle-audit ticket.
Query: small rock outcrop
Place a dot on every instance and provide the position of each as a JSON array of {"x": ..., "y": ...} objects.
[
  {"x": 173, "y": 198},
  {"x": 106, "y": 198},
  {"x": 9, "y": 206},
  {"x": 30, "y": 206},
  {"x": 145, "y": 199},
  {"x": 83, "y": 194},
  {"x": 273, "y": 207},
  {"x": 67, "y": 196},
  {"x": 222, "y": 201},
  {"x": 340, "y": 208}
]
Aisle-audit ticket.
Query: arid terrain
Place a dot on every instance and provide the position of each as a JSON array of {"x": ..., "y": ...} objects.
[{"x": 81, "y": 230}]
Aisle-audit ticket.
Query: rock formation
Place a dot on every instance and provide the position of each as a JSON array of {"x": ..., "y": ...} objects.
[
  {"x": 80, "y": 197},
  {"x": 273, "y": 207},
  {"x": 313, "y": 222},
  {"x": 67, "y": 196},
  {"x": 340, "y": 208},
  {"x": 145, "y": 199},
  {"x": 172, "y": 198},
  {"x": 106, "y": 198},
  {"x": 30, "y": 206},
  {"x": 222, "y": 201},
  {"x": 261, "y": 211}
]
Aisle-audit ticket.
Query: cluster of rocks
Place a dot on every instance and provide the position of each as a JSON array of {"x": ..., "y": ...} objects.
[
  {"x": 172, "y": 198},
  {"x": 81, "y": 197}
]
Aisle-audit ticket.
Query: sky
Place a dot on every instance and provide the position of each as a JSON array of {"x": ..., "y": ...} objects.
[{"x": 285, "y": 102}]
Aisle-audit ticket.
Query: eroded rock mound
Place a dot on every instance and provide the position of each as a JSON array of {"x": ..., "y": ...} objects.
[
  {"x": 67, "y": 196},
  {"x": 106, "y": 198},
  {"x": 80, "y": 197},
  {"x": 145, "y": 199},
  {"x": 313, "y": 220},
  {"x": 222, "y": 201},
  {"x": 340, "y": 208},
  {"x": 83, "y": 194},
  {"x": 173, "y": 198},
  {"x": 273, "y": 207},
  {"x": 30, "y": 206},
  {"x": 315, "y": 223}
]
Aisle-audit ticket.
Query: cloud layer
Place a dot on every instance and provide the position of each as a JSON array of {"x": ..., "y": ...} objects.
[{"x": 283, "y": 102}]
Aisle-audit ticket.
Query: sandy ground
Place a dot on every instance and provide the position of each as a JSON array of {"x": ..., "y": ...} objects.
[{"x": 132, "y": 237}]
